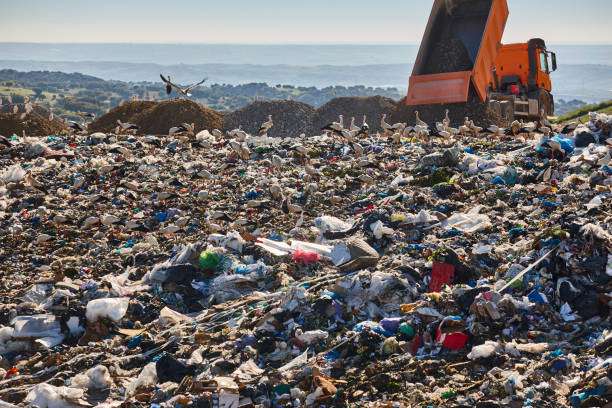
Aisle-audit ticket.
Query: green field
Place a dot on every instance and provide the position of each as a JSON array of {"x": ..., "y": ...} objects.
[{"x": 582, "y": 114}]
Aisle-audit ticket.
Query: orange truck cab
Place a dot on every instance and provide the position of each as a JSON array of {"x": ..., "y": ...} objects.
[
  {"x": 461, "y": 50},
  {"x": 522, "y": 71}
]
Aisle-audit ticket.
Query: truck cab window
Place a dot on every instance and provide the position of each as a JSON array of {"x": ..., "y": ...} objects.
[{"x": 544, "y": 62}]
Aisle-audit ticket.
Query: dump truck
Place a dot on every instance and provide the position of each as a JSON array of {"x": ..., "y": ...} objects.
[{"x": 461, "y": 52}]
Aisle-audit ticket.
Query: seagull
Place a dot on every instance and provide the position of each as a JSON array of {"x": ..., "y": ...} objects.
[
  {"x": 265, "y": 127},
  {"x": 182, "y": 91}
]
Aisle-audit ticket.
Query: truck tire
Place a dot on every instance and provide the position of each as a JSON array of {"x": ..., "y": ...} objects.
[
  {"x": 545, "y": 101},
  {"x": 507, "y": 111}
]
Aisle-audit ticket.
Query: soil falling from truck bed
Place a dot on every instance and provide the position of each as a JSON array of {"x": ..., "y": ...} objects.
[
  {"x": 474, "y": 109},
  {"x": 448, "y": 55}
]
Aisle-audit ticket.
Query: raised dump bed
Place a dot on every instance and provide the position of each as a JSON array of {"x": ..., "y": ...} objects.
[{"x": 460, "y": 45}]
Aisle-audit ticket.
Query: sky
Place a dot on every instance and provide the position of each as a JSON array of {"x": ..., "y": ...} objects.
[{"x": 281, "y": 21}]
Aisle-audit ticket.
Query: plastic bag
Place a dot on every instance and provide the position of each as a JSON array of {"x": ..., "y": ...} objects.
[
  {"x": 36, "y": 326},
  {"x": 112, "y": 308},
  {"x": 306, "y": 257},
  {"x": 484, "y": 350},
  {"x": 47, "y": 396},
  {"x": 13, "y": 174},
  {"x": 148, "y": 376},
  {"x": 97, "y": 378}
]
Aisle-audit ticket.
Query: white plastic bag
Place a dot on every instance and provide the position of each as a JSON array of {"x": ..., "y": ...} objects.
[{"x": 112, "y": 308}]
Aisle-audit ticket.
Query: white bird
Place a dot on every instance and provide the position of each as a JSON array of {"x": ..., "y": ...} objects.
[
  {"x": 109, "y": 219},
  {"x": 265, "y": 127},
  {"x": 182, "y": 91},
  {"x": 475, "y": 129},
  {"x": 182, "y": 128},
  {"x": 349, "y": 135},
  {"x": 553, "y": 145},
  {"x": 335, "y": 126},
  {"x": 515, "y": 127},
  {"x": 419, "y": 122},
  {"x": 396, "y": 138},
  {"x": 384, "y": 125},
  {"x": 276, "y": 191},
  {"x": 127, "y": 126},
  {"x": 353, "y": 127},
  {"x": 15, "y": 109},
  {"x": 496, "y": 131},
  {"x": 89, "y": 221},
  {"x": 365, "y": 128},
  {"x": 277, "y": 161},
  {"x": 358, "y": 149},
  {"x": 569, "y": 128},
  {"x": 217, "y": 134},
  {"x": 446, "y": 120}
]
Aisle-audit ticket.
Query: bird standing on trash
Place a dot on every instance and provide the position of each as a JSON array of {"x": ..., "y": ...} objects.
[{"x": 266, "y": 126}]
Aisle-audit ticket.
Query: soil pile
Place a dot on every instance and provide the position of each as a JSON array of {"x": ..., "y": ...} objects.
[
  {"x": 33, "y": 125},
  {"x": 290, "y": 118},
  {"x": 124, "y": 113},
  {"x": 371, "y": 106},
  {"x": 474, "y": 109},
  {"x": 38, "y": 109},
  {"x": 163, "y": 115},
  {"x": 448, "y": 55}
]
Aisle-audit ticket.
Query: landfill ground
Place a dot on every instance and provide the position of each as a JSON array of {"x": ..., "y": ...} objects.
[{"x": 221, "y": 269}]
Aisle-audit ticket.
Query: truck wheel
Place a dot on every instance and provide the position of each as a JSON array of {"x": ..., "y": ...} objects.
[
  {"x": 507, "y": 110},
  {"x": 545, "y": 101}
]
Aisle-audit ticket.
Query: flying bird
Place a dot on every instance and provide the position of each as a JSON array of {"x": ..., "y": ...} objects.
[{"x": 182, "y": 91}]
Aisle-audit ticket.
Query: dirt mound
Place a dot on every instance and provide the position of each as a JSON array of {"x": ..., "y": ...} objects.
[
  {"x": 291, "y": 118},
  {"x": 473, "y": 109},
  {"x": 448, "y": 55},
  {"x": 38, "y": 109},
  {"x": 371, "y": 106},
  {"x": 125, "y": 113},
  {"x": 33, "y": 125},
  {"x": 162, "y": 116}
]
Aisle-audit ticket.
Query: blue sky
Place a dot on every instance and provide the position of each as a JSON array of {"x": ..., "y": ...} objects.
[{"x": 276, "y": 21}]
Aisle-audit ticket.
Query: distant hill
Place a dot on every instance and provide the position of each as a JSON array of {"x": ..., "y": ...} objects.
[{"x": 67, "y": 93}]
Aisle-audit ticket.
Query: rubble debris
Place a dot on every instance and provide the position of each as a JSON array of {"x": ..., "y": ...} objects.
[{"x": 164, "y": 271}]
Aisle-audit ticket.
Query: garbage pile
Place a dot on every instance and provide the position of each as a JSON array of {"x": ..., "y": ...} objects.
[{"x": 204, "y": 271}]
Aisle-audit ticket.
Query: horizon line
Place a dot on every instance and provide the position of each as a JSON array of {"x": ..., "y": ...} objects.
[{"x": 264, "y": 43}]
